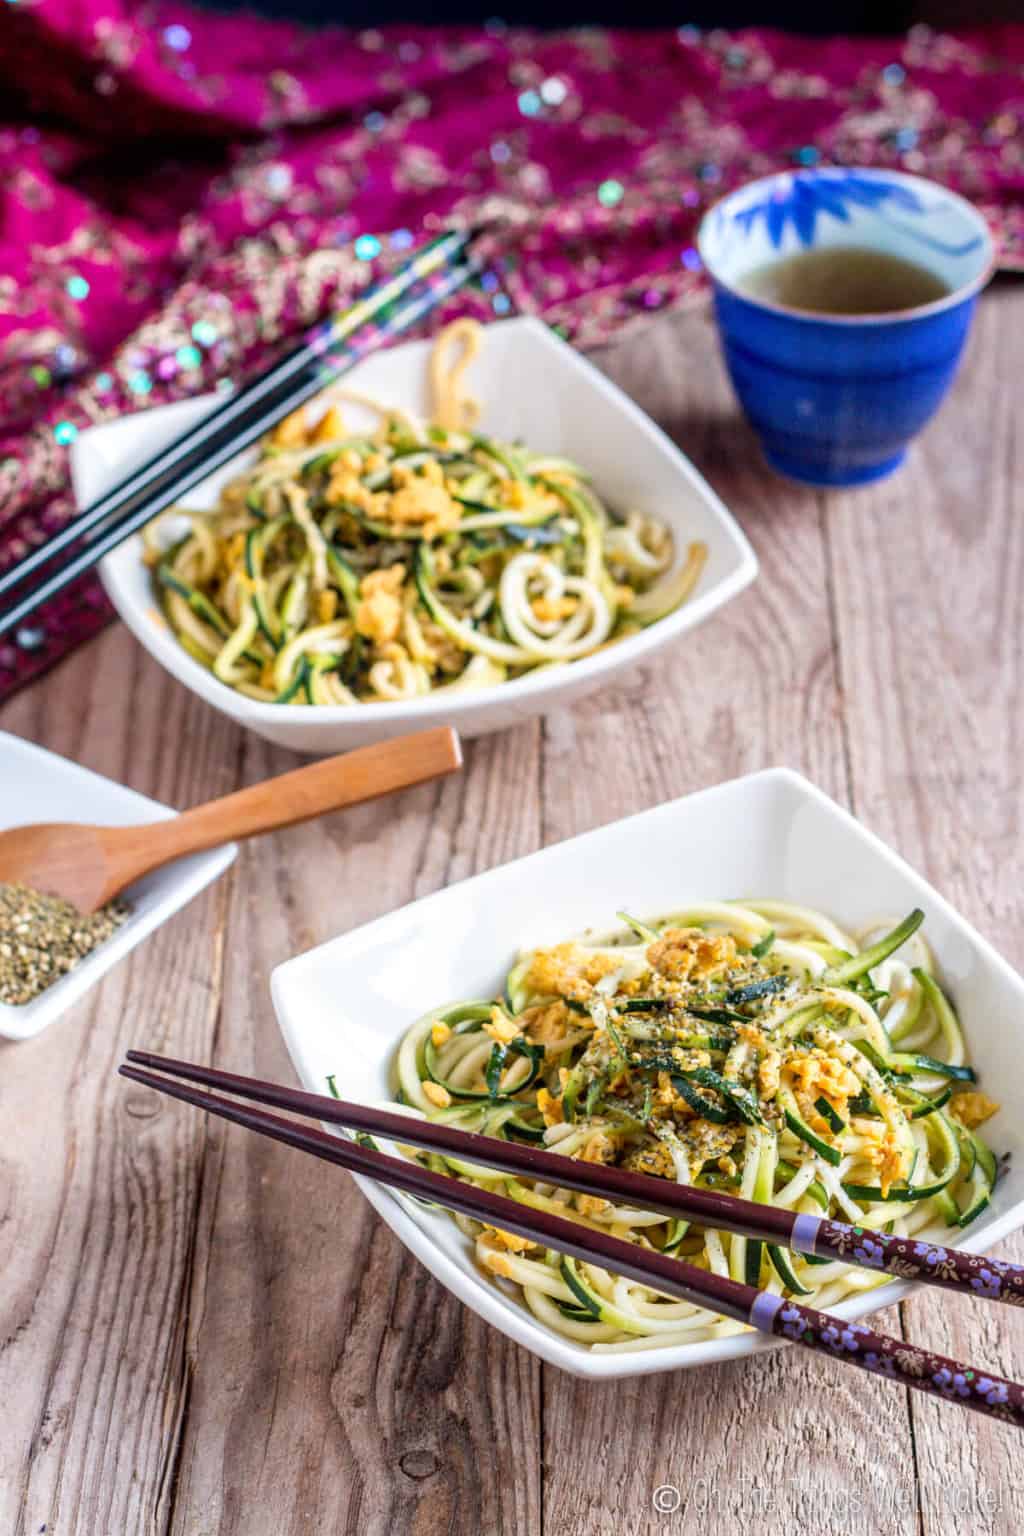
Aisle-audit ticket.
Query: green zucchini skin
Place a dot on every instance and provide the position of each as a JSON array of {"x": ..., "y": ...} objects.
[
  {"x": 497, "y": 1061},
  {"x": 983, "y": 1173},
  {"x": 783, "y": 1268},
  {"x": 717, "y": 1015},
  {"x": 798, "y": 1125},
  {"x": 919, "y": 1105},
  {"x": 707, "y": 1107},
  {"x": 643, "y": 932},
  {"x": 752, "y": 1261},
  {"x": 297, "y": 684},
  {"x": 815, "y": 1190},
  {"x": 846, "y": 971},
  {"x": 900, "y": 1062},
  {"x": 835, "y": 1122},
  {"x": 756, "y": 990}
]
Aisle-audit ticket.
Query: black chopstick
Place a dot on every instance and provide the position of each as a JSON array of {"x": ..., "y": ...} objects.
[
  {"x": 769, "y": 1313},
  {"x": 907, "y": 1258},
  {"x": 326, "y": 352}
]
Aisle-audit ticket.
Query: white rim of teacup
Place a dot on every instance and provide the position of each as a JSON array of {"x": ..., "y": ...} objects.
[{"x": 885, "y": 317}]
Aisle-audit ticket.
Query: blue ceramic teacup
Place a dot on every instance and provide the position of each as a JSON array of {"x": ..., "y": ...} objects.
[{"x": 835, "y": 399}]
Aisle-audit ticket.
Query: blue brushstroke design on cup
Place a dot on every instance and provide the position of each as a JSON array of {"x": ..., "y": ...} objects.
[{"x": 835, "y": 399}]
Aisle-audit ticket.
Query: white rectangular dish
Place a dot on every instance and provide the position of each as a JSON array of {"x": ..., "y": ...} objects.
[
  {"x": 39, "y": 786},
  {"x": 343, "y": 1006},
  {"x": 533, "y": 387}
]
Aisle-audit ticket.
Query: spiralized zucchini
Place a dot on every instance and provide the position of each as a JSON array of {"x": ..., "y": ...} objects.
[
  {"x": 344, "y": 568},
  {"x": 753, "y": 1047}
]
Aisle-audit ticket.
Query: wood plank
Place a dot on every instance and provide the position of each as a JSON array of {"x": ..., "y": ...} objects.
[
  {"x": 333, "y": 1384},
  {"x": 97, "y": 1214},
  {"x": 928, "y": 572},
  {"x": 749, "y": 1444},
  {"x": 253, "y": 1382}
]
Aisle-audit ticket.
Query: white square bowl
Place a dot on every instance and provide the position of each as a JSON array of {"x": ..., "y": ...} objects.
[
  {"x": 343, "y": 1006},
  {"x": 40, "y": 786},
  {"x": 532, "y": 387}
]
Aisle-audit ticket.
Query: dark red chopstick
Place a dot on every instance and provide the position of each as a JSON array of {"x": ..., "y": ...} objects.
[
  {"x": 906, "y": 1258},
  {"x": 770, "y": 1314},
  {"x": 328, "y": 350}
]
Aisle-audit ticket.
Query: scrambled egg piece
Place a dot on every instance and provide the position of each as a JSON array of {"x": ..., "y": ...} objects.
[
  {"x": 567, "y": 970},
  {"x": 431, "y": 472},
  {"x": 600, "y": 1148},
  {"x": 497, "y": 1263},
  {"x": 682, "y": 953},
  {"x": 547, "y": 1024},
  {"x": 501, "y": 1028},
  {"x": 666, "y": 1092},
  {"x": 655, "y": 1161},
  {"x": 550, "y": 609},
  {"x": 233, "y": 552},
  {"x": 379, "y": 615},
  {"x": 549, "y": 1106},
  {"x": 344, "y": 485},
  {"x": 513, "y": 494},
  {"x": 817, "y": 1075},
  {"x": 973, "y": 1109},
  {"x": 422, "y": 501},
  {"x": 509, "y": 1240},
  {"x": 621, "y": 1082},
  {"x": 291, "y": 433},
  {"x": 436, "y": 1094},
  {"x": 768, "y": 1072},
  {"x": 667, "y": 1097},
  {"x": 330, "y": 426},
  {"x": 326, "y": 606},
  {"x": 705, "y": 1139},
  {"x": 439, "y": 1032},
  {"x": 591, "y": 1205},
  {"x": 882, "y": 1150},
  {"x": 524, "y": 498}
]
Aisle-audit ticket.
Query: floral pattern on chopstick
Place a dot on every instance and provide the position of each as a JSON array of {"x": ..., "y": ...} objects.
[
  {"x": 909, "y": 1258},
  {"x": 895, "y": 1358}
]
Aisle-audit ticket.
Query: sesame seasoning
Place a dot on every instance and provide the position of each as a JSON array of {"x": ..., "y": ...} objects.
[{"x": 43, "y": 937}]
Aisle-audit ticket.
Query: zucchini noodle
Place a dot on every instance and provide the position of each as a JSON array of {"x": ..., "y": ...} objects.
[
  {"x": 346, "y": 568},
  {"x": 753, "y": 1047}
]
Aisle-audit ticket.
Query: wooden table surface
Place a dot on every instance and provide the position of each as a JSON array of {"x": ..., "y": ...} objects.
[{"x": 207, "y": 1335}]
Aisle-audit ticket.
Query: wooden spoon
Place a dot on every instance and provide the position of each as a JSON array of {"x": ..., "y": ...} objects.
[{"x": 90, "y": 865}]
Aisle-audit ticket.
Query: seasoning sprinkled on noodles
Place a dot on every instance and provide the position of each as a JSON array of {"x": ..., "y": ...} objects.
[{"x": 746, "y": 1046}]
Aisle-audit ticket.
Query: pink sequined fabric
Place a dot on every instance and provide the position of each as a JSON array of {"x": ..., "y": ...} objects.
[{"x": 181, "y": 191}]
